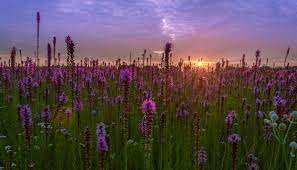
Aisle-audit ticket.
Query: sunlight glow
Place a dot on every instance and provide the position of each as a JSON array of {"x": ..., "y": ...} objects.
[{"x": 201, "y": 63}]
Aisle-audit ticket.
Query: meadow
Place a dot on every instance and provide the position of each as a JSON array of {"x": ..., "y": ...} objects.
[{"x": 91, "y": 115}]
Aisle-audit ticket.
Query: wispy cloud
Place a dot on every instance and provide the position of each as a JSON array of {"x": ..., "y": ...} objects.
[{"x": 172, "y": 22}]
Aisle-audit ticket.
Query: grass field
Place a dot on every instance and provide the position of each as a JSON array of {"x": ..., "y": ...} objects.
[{"x": 132, "y": 116}]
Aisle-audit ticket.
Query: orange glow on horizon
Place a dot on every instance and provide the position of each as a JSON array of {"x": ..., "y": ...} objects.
[{"x": 201, "y": 63}]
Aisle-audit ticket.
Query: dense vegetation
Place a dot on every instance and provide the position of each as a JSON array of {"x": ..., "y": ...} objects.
[{"x": 141, "y": 116}]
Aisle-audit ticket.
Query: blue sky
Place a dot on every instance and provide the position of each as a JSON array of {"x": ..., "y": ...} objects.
[{"x": 112, "y": 28}]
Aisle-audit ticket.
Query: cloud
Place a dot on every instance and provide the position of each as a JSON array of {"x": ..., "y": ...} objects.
[{"x": 173, "y": 23}]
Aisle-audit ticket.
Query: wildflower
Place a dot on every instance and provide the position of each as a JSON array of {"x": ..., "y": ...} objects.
[
  {"x": 101, "y": 138},
  {"x": 252, "y": 162},
  {"x": 77, "y": 105},
  {"x": 35, "y": 85},
  {"x": 12, "y": 58},
  {"x": 21, "y": 86},
  {"x": 202, "y": 157},
  {"x": 78, "y": 108},
  {"x": 70, "y": 46},
  {"x": 49, "y": 57},
  {"x": 58, "y": 76},
  {"x": 46, "y": 116},
  {"x": 126, "y": 78},
  {"x": 267, "y": 130},
  {"x": 269, "y": 84},
  {"x": 274, "y": 124},
  {"x": 196, "y": 130},
  {"x": 293, "y": 114},
  {"x": 102, "y": 146},
  {"x": 273, "y": 116},
  {"x": 147, "y": 94},
  {"x": 148, "y": 106},
  {"x": 256, "y": 90},
  {"x": 282, "y": 126},
  {"x": 37, "y": 40},
  {"x": 126, "y": 75},
  {"x": 258, "y": 102},
  {"x": 260, "y": 114},
  {"x": 54, "y": 43},
  {"x": 182, "y": 111},
  {"x": 146, "y": 127},
  {"x": 234, "y": 139},
  {"x": 279, "y": 101},
  {"x": 63, "y": 99},
  {"x": 68, "y": 112},
  {"x": 167, "y": 50},
  {"x": 26, "y": 115},
  {"x": 230, "y": 119},
  {"x": 87, "y": 143},
  {"x": 293, "y": 145}
]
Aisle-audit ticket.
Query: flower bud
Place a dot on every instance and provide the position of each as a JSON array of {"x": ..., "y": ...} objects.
[
  {"x": 294, "y": 114},
  {"x": 273, "y": 116},
  {"x": 282, "y": 126},
  {"x": 293, "y": 145}
]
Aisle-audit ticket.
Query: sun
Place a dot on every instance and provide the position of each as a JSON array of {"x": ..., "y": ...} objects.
[{"x": 202, "y": 63}]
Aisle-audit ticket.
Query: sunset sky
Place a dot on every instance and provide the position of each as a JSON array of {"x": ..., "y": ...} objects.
[{"x": 109, "y": 29}]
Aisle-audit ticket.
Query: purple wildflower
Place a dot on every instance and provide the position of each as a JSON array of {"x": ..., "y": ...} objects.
[
  {"x": 63, "y": 99},
  {"x": 260, "y": 114},
  {"x": 256, "y": 90},
  {"x": 252, "y": 162},
  {"x": 145, "y": 126},
  {"x": 279, "y": 101},
  {"x": 126, "y": 75},
  {"x": 230, "y": 119},
  {"x": 68, "y": 112},
  {"x": 148, "y": 106},
  {"x": 78, "y": 105},
  {"x": 26, "y": 114},
  {"x": 258, "y": 102},
  {"x": 35, "y": 85},
  {"x": 202, "y": 157},
  {"x": 252, "y": 166},
  {"x": 46, "y": 115},
  {"x": 58, "y": 76},
  {"x": 87, "y": 146},
  {"x": 269, "y": 84},
  {"x": 182, "y": 111},
  {"x": 234, "y": 138},
  {"x": 101, "y": 138}
]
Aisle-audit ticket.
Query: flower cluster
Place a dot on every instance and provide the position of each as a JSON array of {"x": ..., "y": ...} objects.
[
  {"x": 26, "y": 115},
  {"x": 234, "y": 138},
  {"x": 230, "y": 119},
  {"x": 148, "y": 106},
  {"x": 202, "y": 157},
  {"x": 126, "y": 75},
  {"x": 145, "y": 126},
  {"x": 101, "y": 138},
  {"x": 63, "y": 99}
]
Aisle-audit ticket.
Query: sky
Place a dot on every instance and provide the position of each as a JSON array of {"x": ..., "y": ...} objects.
[{"x": 109, "y": 29}]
